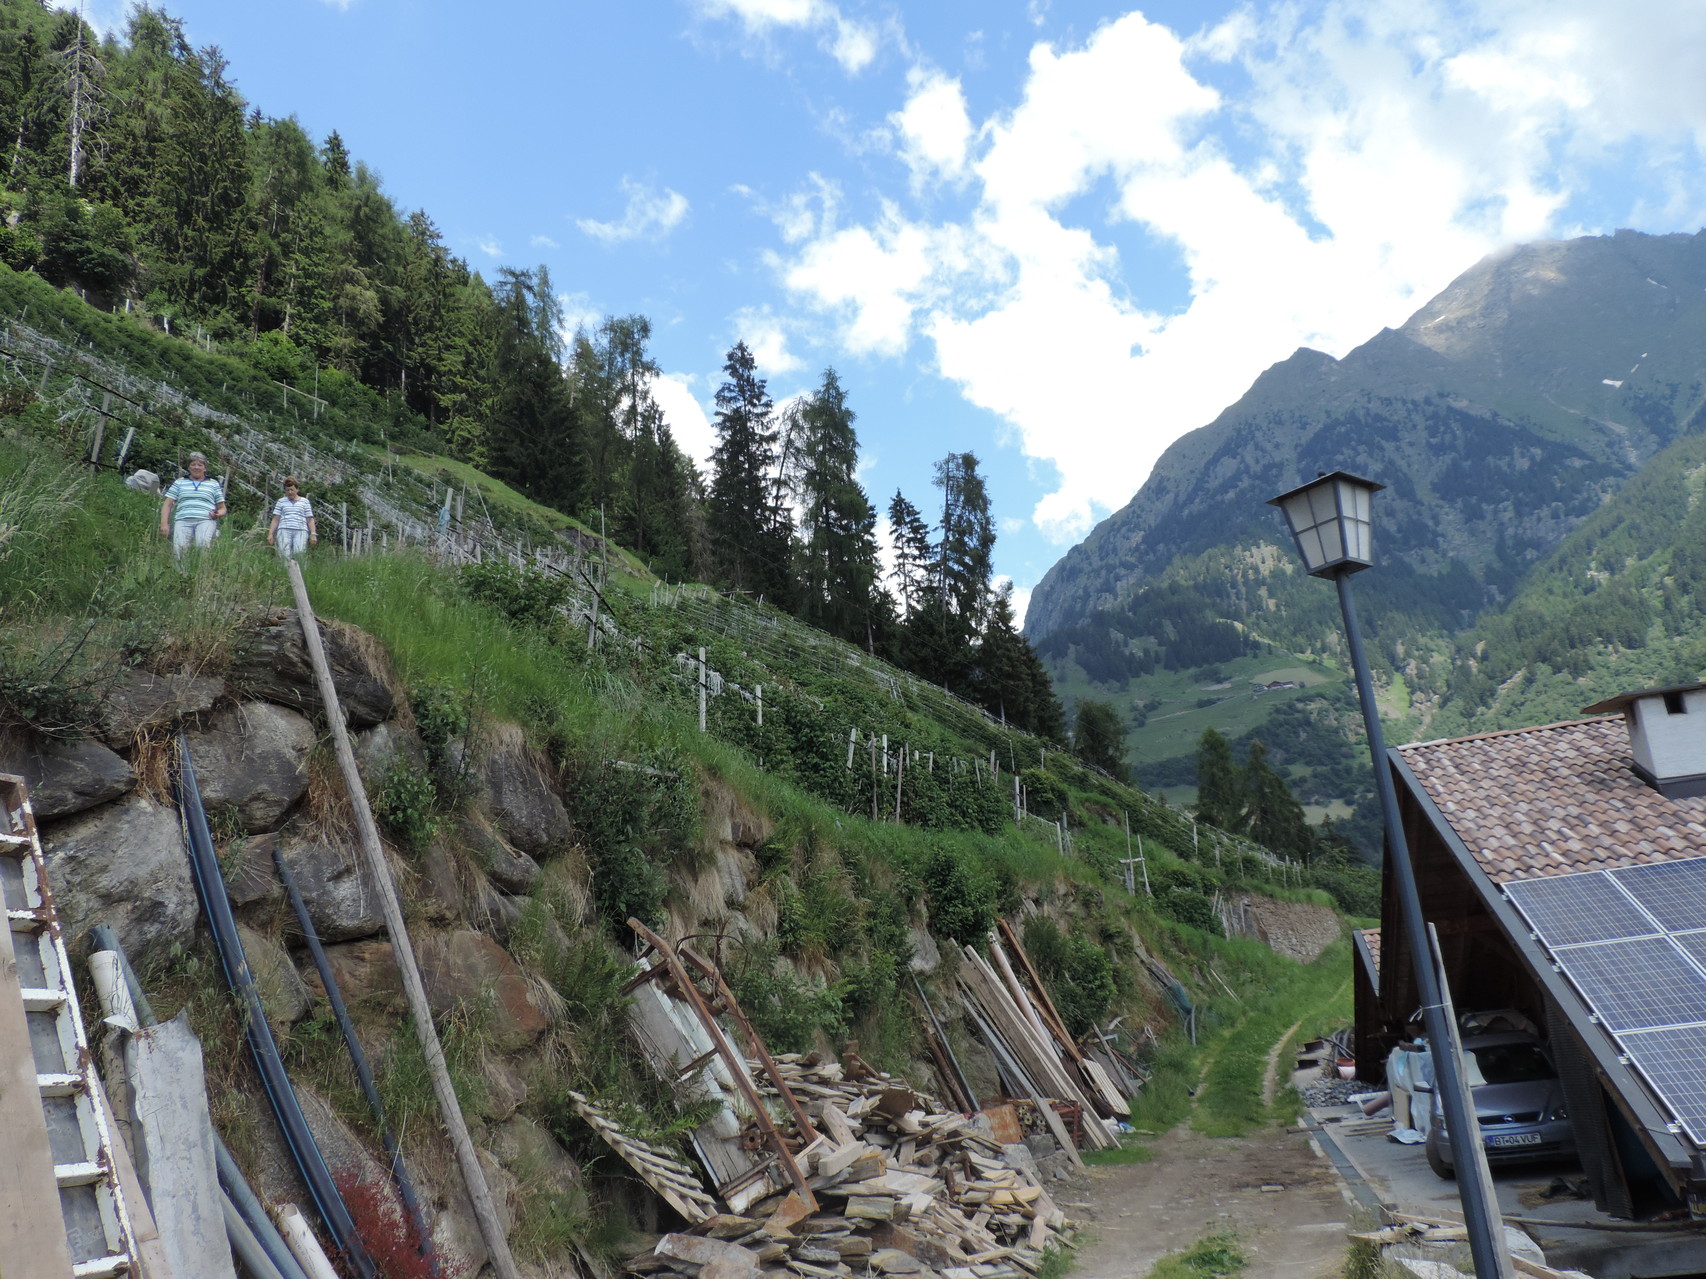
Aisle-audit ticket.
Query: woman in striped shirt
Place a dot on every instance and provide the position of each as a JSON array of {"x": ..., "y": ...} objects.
[
  {"x": 292, "y": 527},
  {"x": 193, "y": 508}
]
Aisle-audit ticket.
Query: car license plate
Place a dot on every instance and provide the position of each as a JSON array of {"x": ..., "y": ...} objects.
[{"x": 1515, "y": 1139}]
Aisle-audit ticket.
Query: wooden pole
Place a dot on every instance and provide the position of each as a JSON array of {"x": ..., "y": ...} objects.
[
  {"x": 701, "y": 690},
  {"x": 473, "y": 1176},
  {"x": 761, "y": 706},
  {"x": 899, "y": 772}
]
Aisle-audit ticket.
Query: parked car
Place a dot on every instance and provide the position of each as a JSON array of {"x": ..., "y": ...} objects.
[{"x": 1518, "y": 1099}]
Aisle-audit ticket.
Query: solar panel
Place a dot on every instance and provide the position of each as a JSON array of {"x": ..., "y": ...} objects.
[
  {"x": 1674, "y": 893},
  {"x": 1638, "y": 983},
  {"x": 1569, "y": 909},
  {"x": 1694, "y": 944},
  {"x": 1674, "y": 1062}
]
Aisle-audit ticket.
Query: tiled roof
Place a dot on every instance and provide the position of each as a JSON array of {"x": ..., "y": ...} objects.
[
  {"x": 1554, "y": 800},
  {"x": 1371, "y": 943}
]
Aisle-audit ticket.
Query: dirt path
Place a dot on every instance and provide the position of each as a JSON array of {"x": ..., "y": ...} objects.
[{"x": 1195, "y": 1186}]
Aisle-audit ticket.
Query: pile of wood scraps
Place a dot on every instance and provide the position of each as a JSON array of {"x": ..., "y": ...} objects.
[{"x": 902, "y": 1186}]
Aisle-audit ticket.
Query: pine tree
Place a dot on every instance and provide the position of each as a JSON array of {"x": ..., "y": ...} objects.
[
  {"x": 1099, "y": 737},
  {"x": 838, "y": 547},
  {"x": 751, "y": 544},
  {"x": 1274, "y": 817},
  {"x": 1220, "y": 784},
  {"x": 965, "y": 554},
  {"x": 912, "y": 553}
]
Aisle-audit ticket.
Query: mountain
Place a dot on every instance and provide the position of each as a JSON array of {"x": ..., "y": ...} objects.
[{"x": 1501, "y": 416}]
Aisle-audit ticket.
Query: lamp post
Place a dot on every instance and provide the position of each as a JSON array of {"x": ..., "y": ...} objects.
[{"x": 1330, "y": 519}]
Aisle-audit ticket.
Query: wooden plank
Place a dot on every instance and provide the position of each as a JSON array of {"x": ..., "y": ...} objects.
[{"x": 32, "y": 1232}]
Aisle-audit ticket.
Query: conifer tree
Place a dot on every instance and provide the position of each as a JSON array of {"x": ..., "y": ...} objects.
[
  {"x": 912, "y": 553},
  {"x": 838, "y": 548},
  {"x": 1099, "y": 737},
  {"x": 750, "y": 543},
  {"x": 1220, "y": 784}
]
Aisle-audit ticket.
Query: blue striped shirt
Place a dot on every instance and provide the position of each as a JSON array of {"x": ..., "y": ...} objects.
[{"x": 196, "y": 499}]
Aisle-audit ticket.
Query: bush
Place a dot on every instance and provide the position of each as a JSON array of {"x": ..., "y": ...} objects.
[
  {"x": 1078, "y": 972},
  {"x": 527, "y": 596},
  {"x": 404, "y": 802},
  {"x": 961, "y": 896}
]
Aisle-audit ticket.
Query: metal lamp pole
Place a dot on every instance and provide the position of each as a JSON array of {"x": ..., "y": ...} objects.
[{"x": 1330, "y": 521}]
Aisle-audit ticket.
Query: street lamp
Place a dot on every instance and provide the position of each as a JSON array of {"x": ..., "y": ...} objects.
[{"x": 1330, "y": 519}]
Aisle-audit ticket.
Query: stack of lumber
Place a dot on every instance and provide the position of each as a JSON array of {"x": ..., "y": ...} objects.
[
  {"x": 903, "y": 1187},
  {"x": 1027, "y": 1054}
]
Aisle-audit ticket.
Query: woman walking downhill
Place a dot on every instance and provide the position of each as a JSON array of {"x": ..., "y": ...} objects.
[
  {"x": 292, "y": 529},
  {"x": 193, "y": 508}
]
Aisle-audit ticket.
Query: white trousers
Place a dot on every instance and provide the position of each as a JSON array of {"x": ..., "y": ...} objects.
[{"x": 188, "y": 533}]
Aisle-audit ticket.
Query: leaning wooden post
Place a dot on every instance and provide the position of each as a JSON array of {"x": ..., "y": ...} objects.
[
  {"x": 701, "y": 690},
  {"x": 761, "y": 706},
  {"x": 473, "y": 1176}
]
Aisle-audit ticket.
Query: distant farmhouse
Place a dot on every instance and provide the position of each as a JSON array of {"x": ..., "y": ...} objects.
[
  {"x": 1564, "y": 871},
  {"x": 1274, "y": 686}
]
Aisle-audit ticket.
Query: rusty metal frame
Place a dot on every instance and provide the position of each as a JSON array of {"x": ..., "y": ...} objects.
[{"x": 690, "y": 995}]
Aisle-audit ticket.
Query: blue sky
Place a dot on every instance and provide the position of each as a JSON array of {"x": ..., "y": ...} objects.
[{"x": 1056, "y": 233}]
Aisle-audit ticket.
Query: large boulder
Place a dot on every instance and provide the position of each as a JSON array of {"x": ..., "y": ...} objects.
[
  {"x": 342, "y": 900},
  {"x": 284, "y": 997},
  {"x": 527, "y": 811},
  {"x": 250, "y": 875},
  {"x": 123, "y": 864},
  {"x": 470, "y": 969},
  {"x": 365, "y": 972},
  {"x": 378, "y": 748},
  {"x": 65, "y": 777},
  {"x": 140, "y": 700},
  {"x": 509, "y": 868},
  {"x": 272, "y": 663},
  {"x": 253, "y": 758}
]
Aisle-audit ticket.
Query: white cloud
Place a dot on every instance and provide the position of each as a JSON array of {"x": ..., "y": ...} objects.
[
  {"x": 765, "y": 338},
  {"x": 650, "y": 215},
  {"x": 851, "y": 43},
  {"x": 543, "y": 242},
  {"x": 934, "y": 126},
  {"x": 687, "y": 417},
  {"x": 488, "y": 244},
  {"x": 578, "y": 313},
  {"x": 1344, "y": 164}
]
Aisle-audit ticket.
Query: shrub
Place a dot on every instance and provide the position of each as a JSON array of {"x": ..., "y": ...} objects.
[
  {"x": 785, "y": 1010},
  {"x": 405, "y": 802},
  {"x": 1078, "y": 972},
  {"x": 527, "y": 596},
  {"x": 962, "y": 898}
]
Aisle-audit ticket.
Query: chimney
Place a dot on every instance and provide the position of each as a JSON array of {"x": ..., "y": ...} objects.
[{"x": 1667, "y": 736}]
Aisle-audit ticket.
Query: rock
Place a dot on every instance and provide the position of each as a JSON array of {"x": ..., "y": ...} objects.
[
  {"x": 253, "y": 758},
  {"x": 383, "y": 745},
  {"x": 250, "y": 875},
  {"x": 273, "y": 664},
  {"x": 366, "y": 973},
  {"x": 527, "y": 811},
  {"x": 283, "y": 995},
  {"x": 469, "y": 968},
  {"x": 509, "y": 868},
  {"x": 505, "y": 1089},
  {"x": 701, "y": 1251},
  {"x": 341, "y": 900},
  {"x": 536, "y": 1160},
  {"x": 1018, "y": 1156},
  {"x": 124, "y": 864},
  {"x": 926, "y": 956},
  {"x": 65, "y": 777},
  {"x": 139, "y": 699},
  {"x": 497, "y": 913},
  {"x": 439, "y": 894}
]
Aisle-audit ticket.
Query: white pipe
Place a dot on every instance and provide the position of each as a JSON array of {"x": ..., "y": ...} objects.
[{"x": 303, "y": 1244}]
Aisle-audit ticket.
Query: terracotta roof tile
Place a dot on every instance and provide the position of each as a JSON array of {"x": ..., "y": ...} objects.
[
  {"x": 1554, "y": 800},
  {"x": 1371, "y": 941}
]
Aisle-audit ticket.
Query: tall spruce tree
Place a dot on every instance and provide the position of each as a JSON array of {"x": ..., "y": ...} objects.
[
  {"x": 1220, "y": 784},
  {"x": 837, "y": 538},
  {"x": 1098, "y": 736},
  {"x": 912, "y": 553},
  {"x": 750, "y": 542}
]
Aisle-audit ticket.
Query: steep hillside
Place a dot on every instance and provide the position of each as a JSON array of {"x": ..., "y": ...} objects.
[
  {"x": 1500, "y": 416},
  {"x": 529, "y": 727}
]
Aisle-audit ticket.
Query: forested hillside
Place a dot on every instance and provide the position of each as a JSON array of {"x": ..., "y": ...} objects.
[
  {"x": 1530, "y": 423},
  {"x": 136, "y": 174}
]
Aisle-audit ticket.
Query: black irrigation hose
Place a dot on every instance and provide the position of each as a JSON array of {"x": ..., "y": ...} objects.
[
  {"x": 358, "y": 1058},
  {"x": 210, "y": 887},
  {"x": 230, "y": 1175}
]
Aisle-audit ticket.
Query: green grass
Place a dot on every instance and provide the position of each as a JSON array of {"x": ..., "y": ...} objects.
[
  {"x": 1216, "y": 1256},
  {"x": 1311, "y": 997},
  {"x": 1127, "y": 1152}
]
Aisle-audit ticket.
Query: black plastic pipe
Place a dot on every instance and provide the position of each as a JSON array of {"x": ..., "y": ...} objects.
[
  {"x": 210, "y": 887},
  {"x": 230, "y": 1175},
  {"x": 358, "y": 1058}
]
